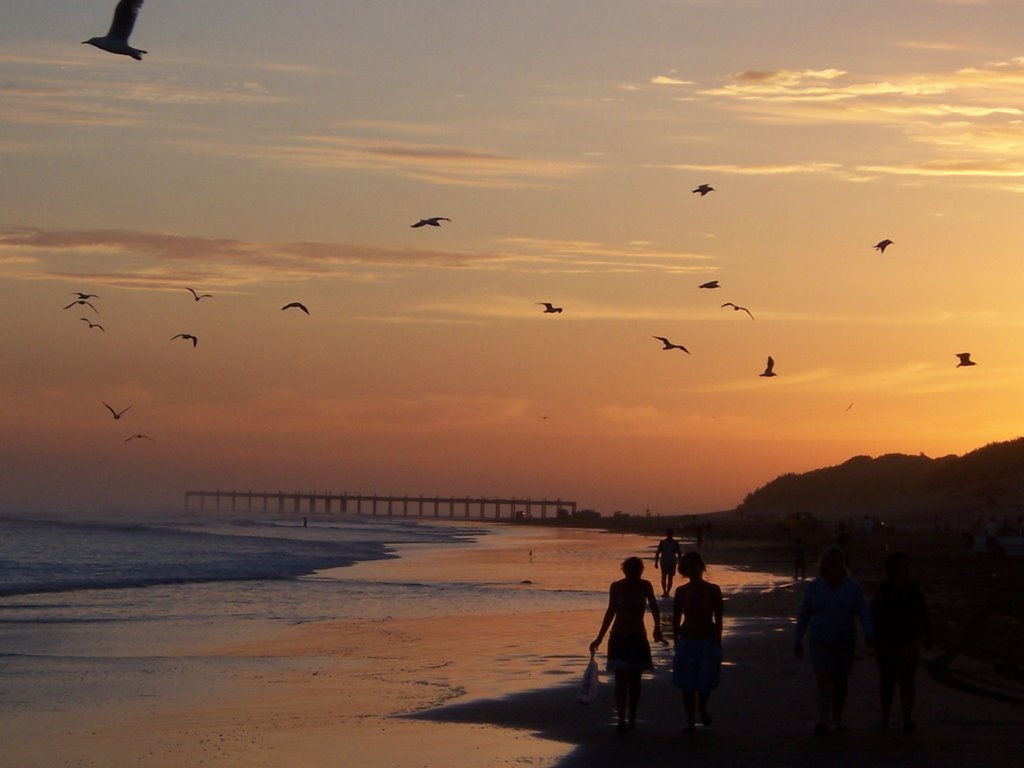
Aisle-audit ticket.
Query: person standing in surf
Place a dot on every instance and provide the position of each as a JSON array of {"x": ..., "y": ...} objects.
[
  {"x": 629, "y": 652},
  {"x": 666, "y": 556}
]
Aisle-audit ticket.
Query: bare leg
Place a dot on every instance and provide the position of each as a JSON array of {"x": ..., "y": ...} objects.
[
  {"x": 621, "y": 687},
  {"x": 703, "y": 702},
  {"x": 635, "y": 677},
  {"x": 690, "y": 705}
]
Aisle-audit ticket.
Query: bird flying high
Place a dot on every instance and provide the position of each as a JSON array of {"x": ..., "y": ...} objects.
[
  {"x": 116, "y": 414},
  {"x": 769, "y": 369},
  {"x": 666, "y": 344},
  {"x": 965, "y": 359},
  {"x": 187, "y": 337},
  {"x": 703, "y": 189},
  {"x": 82, "y": 301},
  {"x": 881, "y": 245},
  {"x": 549, "y": 308},
  {"x": 199, "y": 296},
  {"x": 297, "y": 305},
  {"x": 709, "y": 284},
  {"x": 738, "y": 308},
  {"x": 116, "y": 40},
  {"x": 433, "y": 221}
]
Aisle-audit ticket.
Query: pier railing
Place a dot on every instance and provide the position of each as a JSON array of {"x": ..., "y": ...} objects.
[{"x": 328, "y": 503}]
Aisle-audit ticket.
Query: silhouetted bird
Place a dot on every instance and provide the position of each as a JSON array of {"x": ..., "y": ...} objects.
[
  {"x": 116, "y": 414},
  {"x": 296, "y": 304},
  {"x": 666, "y": 344},
  {"x": 881, "y": 245},
  {"x": 737, "y": 308},
  {"x": 199, "y": 296},
  {"x": 116, "y": 40},
  {"x": 709, "y": 284},
  {"x": 139, "y": 437},
  {"x": 84, "y": 296},
  {"x": 770, "y": 368},
  {"x": 549, "y": 308},
  {"x": 92, "y": 324},
  {"x": 187, "y": 337},
  {"x": 433, "y": 221},
  {"x": 965, "y": 359},
  {"x": 703, "y": 189},
  {"x": 82, "y": 301}
]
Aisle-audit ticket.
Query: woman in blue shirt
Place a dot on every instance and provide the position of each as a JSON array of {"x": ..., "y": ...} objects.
[{"x": 831, "y": 604}]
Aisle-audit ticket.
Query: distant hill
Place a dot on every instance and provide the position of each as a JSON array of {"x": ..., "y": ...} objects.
[{"x": 987, "y": 481}]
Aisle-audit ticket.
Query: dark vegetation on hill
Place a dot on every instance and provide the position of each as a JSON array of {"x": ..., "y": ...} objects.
[{"x": 987, "y": 481}]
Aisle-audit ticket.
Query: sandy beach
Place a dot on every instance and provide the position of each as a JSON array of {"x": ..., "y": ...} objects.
[{"x": 488, "y": 686}]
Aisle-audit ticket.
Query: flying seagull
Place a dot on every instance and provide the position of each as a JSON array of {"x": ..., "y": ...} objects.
[
  {"x": 199, "y": 296},
  {"x": 116, "y": 414},
  {"x": 881, "y": 245},
  {"x": 709, "y": 284},
  {"x": 187, "y": 337},
  {"x": 139, "y": 437},
  {"x": 116, "y": 40},
  {"x": 298, "y": 304},
  {"x": 770, "y": 368},
  {"x": 666, "y": 344},
  {"x": 84, "y": 296},
  {"x": 92, "y": 324},
  {"x": 433, "y": 221},
  {"x": 549, "y": 308},
  {"x": 703, "y": 189},
  {"x": 82, "y": 301},
  {"x": 738, "y": 308},
  {"x": 965, "y": 359}
]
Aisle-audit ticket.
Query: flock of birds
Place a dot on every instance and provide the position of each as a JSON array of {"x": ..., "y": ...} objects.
[{"x": 116, "y": 41}]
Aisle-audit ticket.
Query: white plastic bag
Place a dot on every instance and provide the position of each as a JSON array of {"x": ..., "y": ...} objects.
[{"x": 587, "y": 692}]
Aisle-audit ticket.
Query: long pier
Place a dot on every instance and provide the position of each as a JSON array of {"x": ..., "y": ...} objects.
[{"x": 311, "y": 503}]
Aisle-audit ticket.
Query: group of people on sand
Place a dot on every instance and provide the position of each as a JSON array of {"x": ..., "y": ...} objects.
[
  {"x": 895, "y": 623},
  {"x": 697, "y": 612}
]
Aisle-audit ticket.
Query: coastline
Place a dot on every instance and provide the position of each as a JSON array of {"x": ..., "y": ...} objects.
[{"x": 482, "y": 673}]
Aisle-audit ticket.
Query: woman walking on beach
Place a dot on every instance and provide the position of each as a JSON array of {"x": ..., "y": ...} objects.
[
  {"x": 629, "y": 652},
  {"x": 901, "y": 623},
  {"x": 697, "y": 631},
  {"x": 830, "y": 605}
]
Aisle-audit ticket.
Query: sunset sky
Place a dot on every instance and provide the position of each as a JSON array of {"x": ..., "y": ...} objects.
[{"x": 267, "y": 152}]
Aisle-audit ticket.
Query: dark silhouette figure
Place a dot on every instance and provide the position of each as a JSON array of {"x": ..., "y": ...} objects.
[
  {"x": 799, "y": 560},
  {"x": 965, "y": 359},
  {"x": 199, "y": 296},
  {"x": 666, "y": 556},
  {"x": 84, "y": 296},
  {"x": 116, "y": 414},
  {"x": 187, "y": 337},
  {"x": 666, "y": 344},
  {"x": 697, "y": 630},
  {"x": 296, "y": 305},
  {"x": 831, "y": 603},
  {"x": 629, "y": 652},
  {"x": 881, "y": 245},
  {"x": 900, "y": 616},
  {"x": 769, "y": 370},
  {"x": 139, "y": 437},
  {"x": 703, "y": 189},
  {"x": 92, "y": 324},
  {"x": 738, "y": 308},
  {"x": 116, "y": 40},
  {"x": 84, "y": 302},
  {"x": 549, "y": 308},
  {"x": 709, "y": 284},
  {"x": 433, "y": 221}
]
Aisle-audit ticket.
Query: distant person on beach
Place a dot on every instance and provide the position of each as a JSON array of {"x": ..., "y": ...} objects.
[
  {"x": 830, "y": 606},
  {"x": 799, "y": 560},
  {"x": 629, "y": 652},
  {"x": 697, "y": 631},
  {"x": 666, "y": 556},
  {"x": 900, "y": 617}
]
